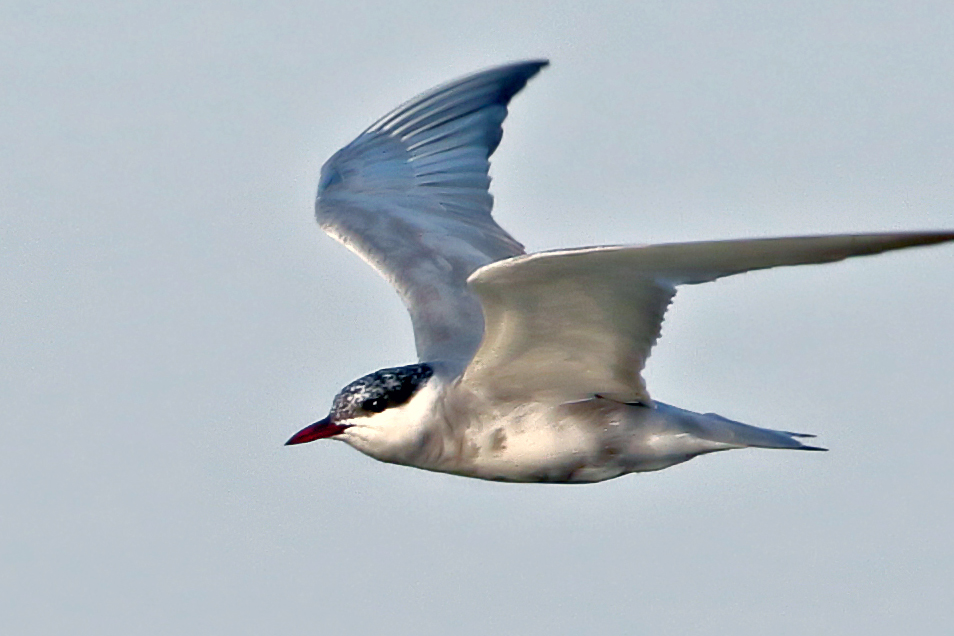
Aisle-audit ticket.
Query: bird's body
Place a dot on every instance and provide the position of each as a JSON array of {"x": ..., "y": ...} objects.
[
  {"x": 530, "y": 365},
  {"x": 449, "y": 429}
]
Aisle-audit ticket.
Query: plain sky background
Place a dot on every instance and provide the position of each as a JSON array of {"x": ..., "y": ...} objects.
[{"x": 171, "y": 314}]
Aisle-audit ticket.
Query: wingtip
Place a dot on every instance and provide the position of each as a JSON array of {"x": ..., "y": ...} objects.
[
  {"x": 535, "y": 63},
  {"x": 520, "y": 73},
  {"x": 540, "y": 63},
  {"x": 933, "y": 238}
]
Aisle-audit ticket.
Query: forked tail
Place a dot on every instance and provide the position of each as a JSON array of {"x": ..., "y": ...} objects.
[{"x": 716, "y": 428}]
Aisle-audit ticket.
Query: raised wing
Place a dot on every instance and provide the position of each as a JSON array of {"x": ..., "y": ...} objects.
[
  {"x": 570, "y": 324},
  {"x": 410, "y": 196}
]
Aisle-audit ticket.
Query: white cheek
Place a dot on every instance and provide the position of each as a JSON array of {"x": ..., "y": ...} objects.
[{"x": 390, "y": 432}]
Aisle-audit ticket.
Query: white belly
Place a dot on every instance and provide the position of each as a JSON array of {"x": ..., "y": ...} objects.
[{"x": 581, "y": 442}]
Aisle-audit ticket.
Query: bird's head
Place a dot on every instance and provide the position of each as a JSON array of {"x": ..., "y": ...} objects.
[{"x": 365, "y": 398}]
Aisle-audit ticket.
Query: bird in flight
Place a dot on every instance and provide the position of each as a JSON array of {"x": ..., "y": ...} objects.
[{"x": 529, "y": 364}]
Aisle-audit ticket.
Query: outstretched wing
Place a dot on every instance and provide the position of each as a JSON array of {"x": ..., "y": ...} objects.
[
  {"x": 569, "y": 324},
  {"x": 410, "y": 196}
]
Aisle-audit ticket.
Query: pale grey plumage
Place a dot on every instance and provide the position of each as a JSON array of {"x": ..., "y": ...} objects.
[
  {"x": 410, "y": 196},
  {"x": 606, "y": 304},
  {"x": 551, "y": 390}
]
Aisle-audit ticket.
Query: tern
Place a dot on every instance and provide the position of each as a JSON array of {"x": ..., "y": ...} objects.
[{"x": 529, "y": 364}]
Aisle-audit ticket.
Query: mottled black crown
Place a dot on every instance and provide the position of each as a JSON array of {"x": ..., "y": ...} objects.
[{"x": 380, "y": 390}]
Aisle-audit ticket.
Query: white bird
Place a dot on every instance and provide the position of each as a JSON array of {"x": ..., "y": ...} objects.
[{"x": 529, "y": 363}]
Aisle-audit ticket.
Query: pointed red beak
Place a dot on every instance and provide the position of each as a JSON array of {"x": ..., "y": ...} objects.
[{"x": 318, "y": 430}]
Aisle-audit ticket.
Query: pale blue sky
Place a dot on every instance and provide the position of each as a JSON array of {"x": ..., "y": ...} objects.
[{"x": 172, "y": 315}]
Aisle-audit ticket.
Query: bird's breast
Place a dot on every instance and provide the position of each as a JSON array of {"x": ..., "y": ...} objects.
[{"x": 534, "y": 442}]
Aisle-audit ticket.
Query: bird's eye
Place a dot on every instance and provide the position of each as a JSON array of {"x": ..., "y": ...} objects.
[{"x": 375, "y": 405}]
